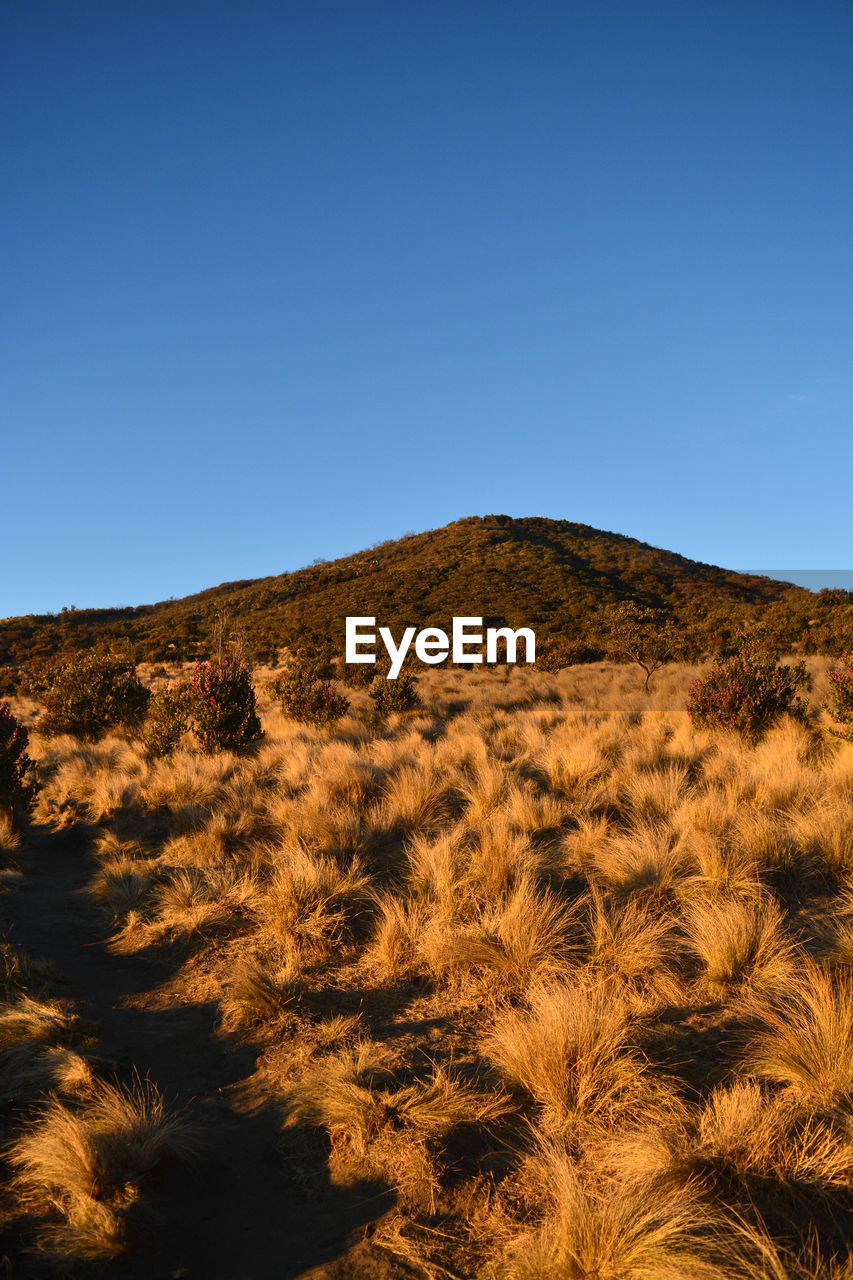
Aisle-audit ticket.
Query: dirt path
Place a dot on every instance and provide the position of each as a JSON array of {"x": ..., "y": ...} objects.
[{"x": 239, "y": 1215}]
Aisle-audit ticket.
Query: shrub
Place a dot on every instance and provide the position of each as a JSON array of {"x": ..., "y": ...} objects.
[
  {"x": 747, "y": 693},
  {"x": 18, "y": 786},
  {"x": 305, "y": 694},
  {"x": 220, "y": 701},
  {"x": 358, "y": 675},
  {"x": 394, "y": 695},
  {"x": 85, "y": 694},
  {"x": 840, "y": 705},
  {"x": 558, "y": 652},
  {"x": 167, "y": 720}
]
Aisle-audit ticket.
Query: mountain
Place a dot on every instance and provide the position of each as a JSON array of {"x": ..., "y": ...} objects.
[{"x": 552, "y": 575}]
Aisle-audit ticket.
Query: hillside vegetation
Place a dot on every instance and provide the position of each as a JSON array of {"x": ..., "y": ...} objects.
[{"x": 551, "y": 575}]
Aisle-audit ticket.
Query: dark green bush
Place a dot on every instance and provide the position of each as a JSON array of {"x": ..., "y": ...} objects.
[
  {"x": 840, "y": 705},
  {"x": 18, "y": 784},
  {"x": 85, "y": 694},
  {"x": 394, "y": 695},
  {"x": 304, "y": 693},
  {"x": 358, "y": 675},
  {"x": 747, "y": 693},
  {"x": 168, "y": 720},
  {"x": 219, "y": 698}
]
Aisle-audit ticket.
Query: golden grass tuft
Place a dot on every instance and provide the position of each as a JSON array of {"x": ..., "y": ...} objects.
[
  {"x": 312, "y": 901},
  {"x": 122, "y": 889},
  {"x": 835, "y": 934},
  {"x": 528, "y": 934},
  {"x": 638, "y": 948},
  {"x": 25, "y": 1020},
  {"x": 740, "y": 943},
  {"x": 396, "y": 1128},
  {"x": 257, "y": 994},
  {"x": 746, "y": 1133},
  {"x": 804, "y": 1039},
  {"x": 570, "y": 1052},
  {"x": 641, "y": 860},
  {"x": 647, "y": 1231},
  {"x": 88, "y": 1163},
  {"x": 10, "y": 836}
]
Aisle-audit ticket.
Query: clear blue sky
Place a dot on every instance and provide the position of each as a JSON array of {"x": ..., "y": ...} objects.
[{"x": 283, "y": 279}]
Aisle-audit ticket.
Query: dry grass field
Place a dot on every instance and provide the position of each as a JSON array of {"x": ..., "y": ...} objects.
[{"x": 534, "y": 983}]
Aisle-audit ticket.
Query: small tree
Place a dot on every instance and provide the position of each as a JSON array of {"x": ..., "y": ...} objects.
[
  {"x": 634, "y": 633},
  {"x": 305, "y": 694},
  {"x": 18, "y": 783},
  {"x": 747, "y": 693},
  {"x": 219, "y": 699},
  {"x": 840, "y": 705},
  {"x": 85, "y": 694}
]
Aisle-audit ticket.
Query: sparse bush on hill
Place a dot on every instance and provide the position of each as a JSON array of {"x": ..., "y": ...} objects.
[
  {"x": 840, "y": 704},
  {"x": 394, "y": 695},
  {"x": 305, "y": 694},
  {"x": 219, "y": 698},
  {"x": 747, "y": 693},
  {"x": 85, "y": 694},
  {"x": 168, "y": 720},
  {"x": 18, "y": 784}
]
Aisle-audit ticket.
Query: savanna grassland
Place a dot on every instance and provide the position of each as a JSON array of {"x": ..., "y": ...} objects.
[{"x": 536, "y": 981}]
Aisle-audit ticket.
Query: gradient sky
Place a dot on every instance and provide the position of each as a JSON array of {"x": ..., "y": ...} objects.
[{"x": 283, "y": 279}]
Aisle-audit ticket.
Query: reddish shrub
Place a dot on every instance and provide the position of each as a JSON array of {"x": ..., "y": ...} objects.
[
  {"x": 557, "y": 652},
  {"x": 747, "y": 693},
  {"x": 219, "y": 699}
]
